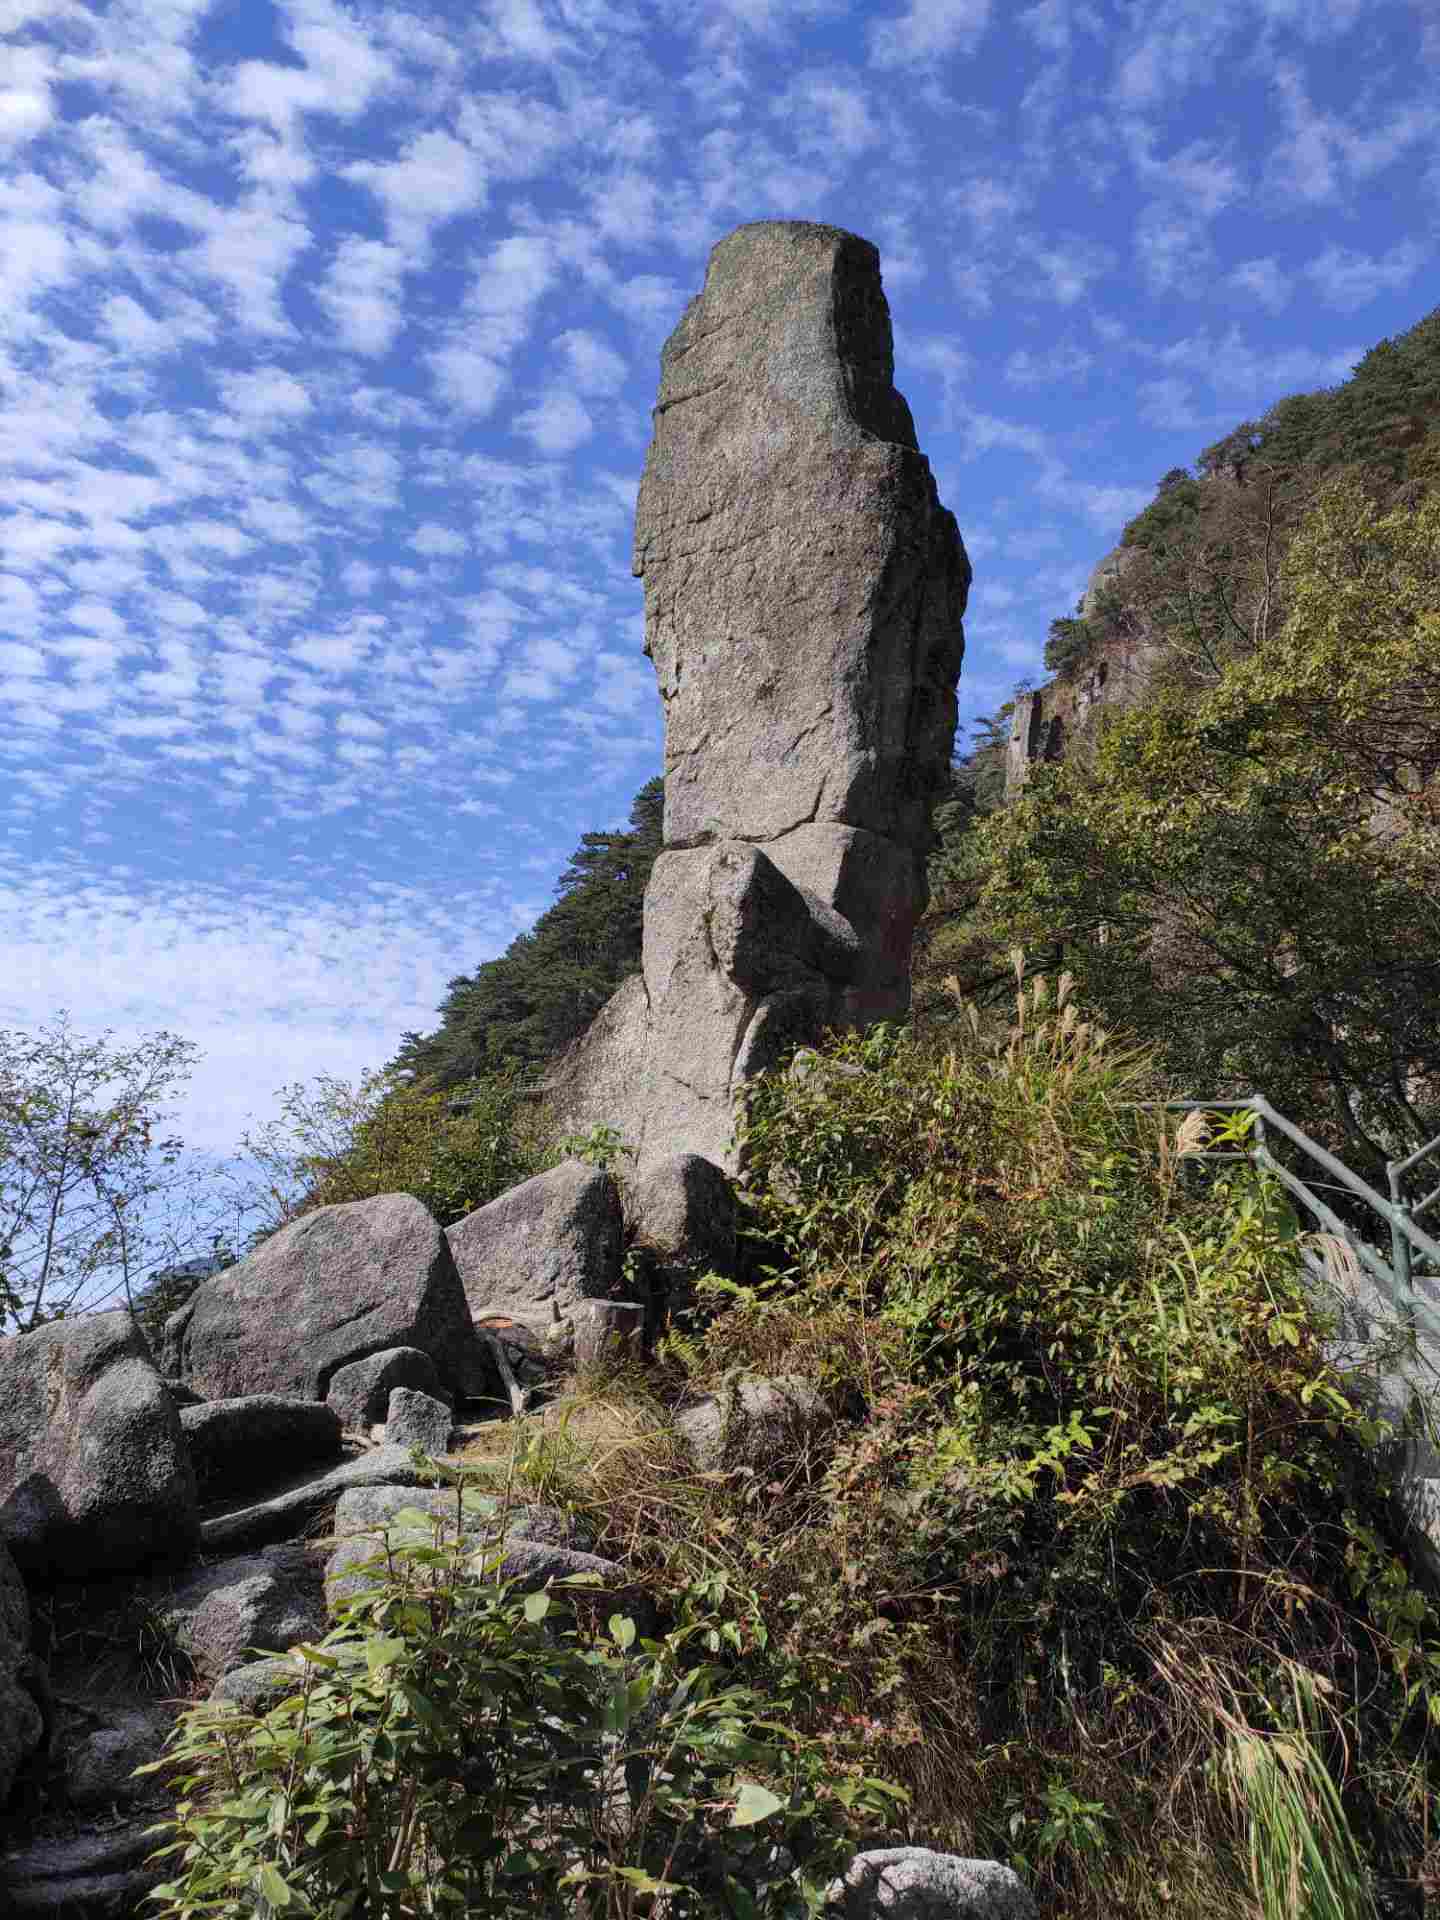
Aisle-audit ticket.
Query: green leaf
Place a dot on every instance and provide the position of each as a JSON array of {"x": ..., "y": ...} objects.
[
  {"x": 622, "y": 1632},
  {"x": 383, "y": 1652},
  {"x": 537, "y": 1605},
  {"x": 754, "y": 1804},
  {"x": 273, "y": 1886}
]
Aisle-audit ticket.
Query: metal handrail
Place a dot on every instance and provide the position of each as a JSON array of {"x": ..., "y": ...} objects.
[{"x": 1395, "y": 1277}]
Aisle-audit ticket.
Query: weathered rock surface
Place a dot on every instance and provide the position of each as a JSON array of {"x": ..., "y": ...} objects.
[
  {"x": 243, "y": 1443},
  {"x": 94, "y": 1472},
  {"x": 803, "y": 595},
  {"x": 417, "y": 1420},
  {"x": 360, "y": 1393},
  {"x": 259, "y": 1686},
  {"x": 292, "y": 1508},
  {"x": 22, "y": 1724},
  {"x": 682, "y": 1210},
  {"x": 331, "y": 1288},
  {"x": 100, "y": 1765},
  {"x": 265, "y": 1601},
  {"x": 756, "y": 1423},
  {"x": 608, "y": 1332},
  {"x": 542, "y": 1245},
  {"x": 912, "y": 1883},
  {"x": 99, "y": 1876}
]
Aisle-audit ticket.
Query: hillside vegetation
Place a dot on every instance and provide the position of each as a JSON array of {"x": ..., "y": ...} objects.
[
  {"x": 1240, "y": 870},
  {"x": 1085, "y": 1556}
]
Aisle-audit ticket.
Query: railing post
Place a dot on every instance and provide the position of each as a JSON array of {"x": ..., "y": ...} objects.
[{"x": 1400, "y": 1248}]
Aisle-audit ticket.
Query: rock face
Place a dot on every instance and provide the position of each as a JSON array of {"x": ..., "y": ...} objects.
[
  {"x": 22, "y": 1725},
  {"x": 238, "y": 1444},
  {"x": 360, "y": 1393},
  {"x": 338, "y": 1284},
  {"x": 267, "y": 1600},
  {"x": 803, "y": 598},
  {"x": 418, "y": 1420},
  {"x": 912, "y": 1883},
  {"x": 94, "y": 1471},
  {"x": 541, "y": 1246}
]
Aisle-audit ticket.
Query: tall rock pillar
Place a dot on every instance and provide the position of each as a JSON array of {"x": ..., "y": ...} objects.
[{"x": 803, "y": 598}]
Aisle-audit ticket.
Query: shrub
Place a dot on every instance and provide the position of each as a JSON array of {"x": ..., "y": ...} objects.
[{"x": 456, "y": 1746}]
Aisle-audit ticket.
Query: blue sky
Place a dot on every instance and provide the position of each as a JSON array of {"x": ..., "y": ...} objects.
[{"x": 328, "y": 337}]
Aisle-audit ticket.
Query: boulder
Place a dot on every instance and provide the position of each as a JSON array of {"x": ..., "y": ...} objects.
[
  {"x": 261, "y": 1685},
  {"x": 912, "y": 1883},
  {"x": 247, "y": 1442},
  {"x": 608, "y": 1331},
  {"x": 265, "y": 1601},
  {"x": 100, "y": 1765},
  {"x": 94, "y": 1472},
  {"x": 94, "y": 1876},
  {"x": 291, "y": 1509},
  {"x": 756, "y": 1423},
  {"x": 360, "y": 1393},
  {"x": 682, "y": 1208},
  {"x": 22, "y": 1724},
  {"x": 550, "y": 1241},
  {"x": 416, "y": 1420},
  {"x": 333, "y": 1287},
  {"x": 804, "y": 589}
]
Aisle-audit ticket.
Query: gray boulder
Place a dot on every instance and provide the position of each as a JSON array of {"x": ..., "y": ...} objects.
[
  {"x": 756, "y": 1423},
  {"x": 94, "y": 1472},
  {"x": 682, "y": 1208},
  {"x": 912, "y": 1883},
  {"x": 360, "y": 1393},
  {"x": 804, "y": 589},
  {"x": 261, "y": 1685},
  {"x": 608, "y": 1332},
  {"x": 331, "y": 1288},
  {"x": 93, "y": 1876},
  {"x": 416, "y": 1420},
  {"x": 22, "y": 1725},
  {"x": 243, "y": 1443},
  {"x": 266, "y": 1601},
  {"x": 550, "y": 1241},
  {"x": 100, "y": 1765},
  {"x": 291, "y": 1509}
]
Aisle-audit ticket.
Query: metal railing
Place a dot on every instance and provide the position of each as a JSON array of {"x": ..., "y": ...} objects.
[{"x": 1413, "y": 1252}]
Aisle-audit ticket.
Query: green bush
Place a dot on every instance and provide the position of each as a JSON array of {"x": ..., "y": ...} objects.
[
  {"x": 1110, "y": 1508},
  {"x": 458, "y": 1746}
]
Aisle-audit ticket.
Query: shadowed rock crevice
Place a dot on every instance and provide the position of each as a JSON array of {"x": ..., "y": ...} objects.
[{"x": 804, "y": 589}]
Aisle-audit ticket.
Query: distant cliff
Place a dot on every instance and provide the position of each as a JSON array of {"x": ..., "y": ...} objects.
[{"x": 1196, "y": 579}]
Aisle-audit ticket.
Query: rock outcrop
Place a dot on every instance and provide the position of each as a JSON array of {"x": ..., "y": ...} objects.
[
  {"x": 803, "y": 598},
  {"x": 94, "y": 1472},
  {"x": 239, "y": 1444},
  {"x": 331, "y": 1288},
  {"x": 541, "y": 1246}
]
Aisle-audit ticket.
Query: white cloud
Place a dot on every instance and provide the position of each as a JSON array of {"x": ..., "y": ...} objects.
[
  {"x": 927, "y": 31},
  {"x": 827, "y": 113},
  {"x": 437, "y": 542},
  {"x": 1264, "y": 281},
  {"x": 1348, "y": 280},
  {"x": 593, "y": 366},
  {"x": 557, "y": 424},
  {"x": 250, "y": 250},
  {"x": 26, "y": 106},
  {"x": 362, "y": 293},
  {"x": 435, "y": 178},
  {"x": 267, "y": 397},
  {"x": 467, "y": 379}
]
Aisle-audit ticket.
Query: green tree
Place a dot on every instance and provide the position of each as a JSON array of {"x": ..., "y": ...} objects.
[
  {"x": 83, "y": 1159},
  {"x": 335, "y": 1141},
  {"x": 516, "y": 1012},
  {"x": 1248, "y": 876}
]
